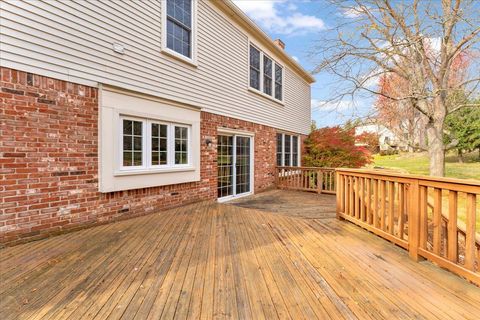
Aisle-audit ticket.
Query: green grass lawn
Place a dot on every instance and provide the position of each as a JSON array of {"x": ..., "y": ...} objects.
[{"x": 417, "y": 163}]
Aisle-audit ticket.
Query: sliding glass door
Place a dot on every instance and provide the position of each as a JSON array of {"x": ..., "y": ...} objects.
[{"x": 234, "y": 166}]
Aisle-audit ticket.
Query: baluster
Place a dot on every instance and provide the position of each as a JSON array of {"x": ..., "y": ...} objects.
[
  {"x": 423, "y": 217},
  {"x": 391, "y": 206},
  {"x": 401, "y": 210},
  {"x": 470, "y": 232},
  {"x": 356, "y": 205},
  {"x": 352, "y": 208},
  {"x": 362, "y": 199},
  {"x": 437, "y": 220},
  {"x": 452, "y": 246},
  {"x": 369, "y": 200},
  {"x": 382, "y": 204},
  {"x": 375, "y": 203}
]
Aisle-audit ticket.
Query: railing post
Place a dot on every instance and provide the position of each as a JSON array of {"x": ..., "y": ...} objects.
[
  {"x": 339, "y": 194},
  {"x": 319, "y": 181},
  {"x": 276, "y": 177},
  {"x": 414, "y": 220}
]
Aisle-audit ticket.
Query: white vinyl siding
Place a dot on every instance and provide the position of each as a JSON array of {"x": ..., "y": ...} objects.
[{"x": 72, "y": 40}]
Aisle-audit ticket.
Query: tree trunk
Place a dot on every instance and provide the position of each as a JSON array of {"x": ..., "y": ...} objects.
[
  {"x": 436, "y": 150},
  {"x": 460, "y": 156}
]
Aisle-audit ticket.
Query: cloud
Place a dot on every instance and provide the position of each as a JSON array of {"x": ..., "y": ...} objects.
[
  {"x": 321, "y": 105},
  {"x": 281, "y": 17},
  {"x": 295, "y": 58},
  {"x": 354, "y": 12}
]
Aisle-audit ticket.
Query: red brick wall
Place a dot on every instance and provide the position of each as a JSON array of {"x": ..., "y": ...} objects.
[{"x": 49, "y": 161}]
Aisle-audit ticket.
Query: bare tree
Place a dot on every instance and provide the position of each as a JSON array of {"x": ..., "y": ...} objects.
[{"x": 418, "y": 41}]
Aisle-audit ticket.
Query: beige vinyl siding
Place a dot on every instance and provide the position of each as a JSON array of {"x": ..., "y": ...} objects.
[{"x": 72, "y": 40}]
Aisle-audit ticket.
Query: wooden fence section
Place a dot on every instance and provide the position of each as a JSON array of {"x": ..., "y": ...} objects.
[
  {"x": 434, "y": 218},
  {"x": 320, "y": 180}
]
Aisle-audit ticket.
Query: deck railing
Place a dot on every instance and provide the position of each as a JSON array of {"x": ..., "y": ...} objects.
[
  {"x": 320, "y": 180},
  {"x": 421, "y": 214}
]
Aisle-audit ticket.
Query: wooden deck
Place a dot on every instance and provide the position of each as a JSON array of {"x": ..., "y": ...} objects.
[{"x": 212, "y": 260}]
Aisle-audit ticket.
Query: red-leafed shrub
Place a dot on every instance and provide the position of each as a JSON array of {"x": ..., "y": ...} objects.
[
  {"x": 335, "y": 147},
  {"x": 369, "y": 140}
]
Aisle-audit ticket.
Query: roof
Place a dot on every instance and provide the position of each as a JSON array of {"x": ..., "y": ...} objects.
[{"x": 236, "y": 13}]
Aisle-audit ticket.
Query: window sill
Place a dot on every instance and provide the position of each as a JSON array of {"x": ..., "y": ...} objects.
[
  {"x": 179, "y": 57},
  {"x": 120, "y": 173},
  {"x": 260, "y": 93}
]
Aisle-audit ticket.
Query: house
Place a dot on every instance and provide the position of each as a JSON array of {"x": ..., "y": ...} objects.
[{"x": 116, "y": 109}]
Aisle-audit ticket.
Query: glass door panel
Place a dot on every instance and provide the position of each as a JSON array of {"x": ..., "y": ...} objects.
[
  {"x": 234, "y": 168},
  {"x": 225, "y": 166},
  {"x": 242, "y": 165}
]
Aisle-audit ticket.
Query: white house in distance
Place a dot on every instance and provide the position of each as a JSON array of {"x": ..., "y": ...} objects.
[
  {"x": 118, "y": 109},
  {"x": 387, "y": 140}
]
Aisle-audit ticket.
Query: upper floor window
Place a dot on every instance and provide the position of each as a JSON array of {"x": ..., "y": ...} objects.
[
  {"x": 254, "y": 68},
  {"x": 278, "y": 82},
  {"x": 150, "y": 144},
  {"x": 287, "y": 150},
  {"x": 179, "y": 26},
  {"x": 266, "y": 75}
]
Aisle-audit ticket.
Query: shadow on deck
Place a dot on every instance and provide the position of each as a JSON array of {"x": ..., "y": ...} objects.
[{"x": 264, "y": 257}]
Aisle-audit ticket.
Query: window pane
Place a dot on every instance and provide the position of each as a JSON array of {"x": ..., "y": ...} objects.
[
  {"x": 267, "y": 75},
  {"x": 159, "y": 144},
  {"x": 179, "y": 26},
  {"x": 294, "y": 151},
  {"x": 254, "y": 68},
  {"x": 254, "y": 79},
  {"x": 181, "y": 145},
  {"x": 279, "y": 149},
  {"x": 278, "y": 82},
  {"x": 180, "y": 10},
  {"x": 287, "y": 149},
  {"x": 127, "y": 127},
  {"x": 132, "y": 143}
]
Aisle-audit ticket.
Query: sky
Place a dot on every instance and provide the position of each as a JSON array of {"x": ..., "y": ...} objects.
[{"x": 299, "y": 23}]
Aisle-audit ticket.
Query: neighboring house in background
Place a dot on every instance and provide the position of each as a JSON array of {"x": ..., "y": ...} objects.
[
  {"x": 387, "y": 140},
  {"x": 114, "y": 110}
]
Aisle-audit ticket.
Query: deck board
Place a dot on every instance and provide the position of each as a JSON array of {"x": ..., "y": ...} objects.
[{"x": 241, "y": 261}]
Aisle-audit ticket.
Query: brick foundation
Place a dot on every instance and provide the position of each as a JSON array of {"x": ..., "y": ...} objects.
[{"x": 49, "y": 161}]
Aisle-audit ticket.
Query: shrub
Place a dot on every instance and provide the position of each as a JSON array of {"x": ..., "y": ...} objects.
[{"x": 335, "y": 147}]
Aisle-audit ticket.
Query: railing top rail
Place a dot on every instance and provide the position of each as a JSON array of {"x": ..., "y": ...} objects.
[
  {"x": 469, "y": 182},
  {"x": 306, "y": 168}
]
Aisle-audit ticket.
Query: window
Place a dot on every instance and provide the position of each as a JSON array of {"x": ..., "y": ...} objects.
[
  {"x": 132, "y": 143},
  {"x": 159, "y": 144},
  {"x": 149, "y": 144},
  {"x": 278, "y": 82},
  {"x": 254, "y": 68},
  {"x": 179, "y": 26},
  {"x": 287, "y": 150},
  {"x": 181, "y": 145},
  {"x": 266, "y": 76},
  {"x": 294, "y": 151},
  {"x": 279, "y": 149}
]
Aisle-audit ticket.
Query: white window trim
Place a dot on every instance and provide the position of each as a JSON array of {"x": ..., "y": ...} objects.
[
  {"x": 193, "y": 59},
  {"x": 147, "y": 166},
  {"x": 260, "y": 91},
  {"x": 291, "y": 150}
]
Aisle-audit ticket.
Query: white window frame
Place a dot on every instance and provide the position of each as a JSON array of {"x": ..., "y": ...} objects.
[
  {"x": 149, "y": 134},
  {"x": 291, "y": 150},
  {"x": 191, "y": 60},
  {"x": 274, "y": 63},
  {"x": 147, "y": 146}
]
